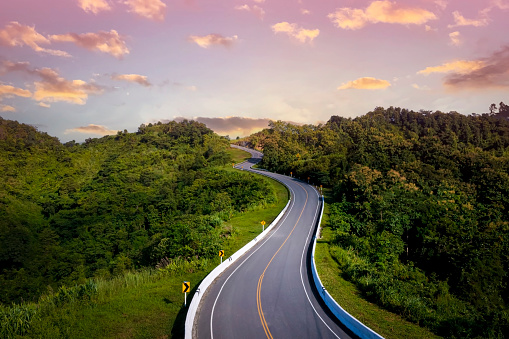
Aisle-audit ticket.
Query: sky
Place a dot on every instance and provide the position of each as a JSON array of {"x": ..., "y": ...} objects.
[{"x": 86, "y": 68}]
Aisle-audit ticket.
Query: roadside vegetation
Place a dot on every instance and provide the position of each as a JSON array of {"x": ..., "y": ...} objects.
[
  {"x": 97, "y": 238},
  {"x": 419, "y": 212},
  {"x": 349, "y": 296}
]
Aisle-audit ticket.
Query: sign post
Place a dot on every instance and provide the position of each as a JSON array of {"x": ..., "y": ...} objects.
[
  {"x": 308, "y": 180},
  {"x": 263, "y": 225},
  {"x": 186, "y": 287},
  {"x": 290, "y": 174},
  {"x": 221, "y": 255}
]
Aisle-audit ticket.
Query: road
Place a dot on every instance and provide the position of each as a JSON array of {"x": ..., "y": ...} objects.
[{"x": 267, "y": 293}]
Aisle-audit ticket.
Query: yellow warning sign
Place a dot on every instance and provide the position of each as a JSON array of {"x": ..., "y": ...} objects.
[
  {"x": 263, "y": 222},
  {"x": 221, "y": 253},
  {"x": 186, "y": 286}
]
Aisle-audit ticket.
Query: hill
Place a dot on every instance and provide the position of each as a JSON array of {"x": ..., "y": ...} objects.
[
  {"x": 419, "y": 216},
  {"x": 77, "y": 211}
]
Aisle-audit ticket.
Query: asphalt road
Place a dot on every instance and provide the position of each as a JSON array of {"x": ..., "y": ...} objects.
[{"x": 268, "y": 292}]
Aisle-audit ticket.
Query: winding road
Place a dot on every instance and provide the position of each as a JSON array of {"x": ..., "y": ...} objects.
[{"x": 268, "y": 292}]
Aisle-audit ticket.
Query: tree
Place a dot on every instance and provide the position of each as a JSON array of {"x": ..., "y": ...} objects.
[{"x": 493, "y": 108}]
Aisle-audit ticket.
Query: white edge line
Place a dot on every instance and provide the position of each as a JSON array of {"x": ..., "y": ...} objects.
[
  {"x": 242, "y": 263},
  {"x": 302, "y": 258}
]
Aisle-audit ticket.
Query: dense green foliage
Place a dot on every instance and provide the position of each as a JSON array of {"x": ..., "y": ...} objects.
[
  {"x": 421, "y": 212},
  {"x": 74, "y": 211}
]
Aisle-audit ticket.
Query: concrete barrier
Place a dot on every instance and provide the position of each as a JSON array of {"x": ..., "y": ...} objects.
[
  {"x": 200, "y": 291},
  {"x": 346, "y": 318}
]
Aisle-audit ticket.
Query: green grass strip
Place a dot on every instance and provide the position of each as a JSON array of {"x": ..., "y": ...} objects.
[
  {"x": 145, "y": 304},
  {"x": 346, "y": 294}
]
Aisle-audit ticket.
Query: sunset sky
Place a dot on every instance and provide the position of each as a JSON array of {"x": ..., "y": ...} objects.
[{"x": 86, "y": 68}]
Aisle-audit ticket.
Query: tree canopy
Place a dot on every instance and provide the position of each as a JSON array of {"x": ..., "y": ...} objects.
[
  {"x": 73, "y": 211},
  {"x": 421, "y": 209}
]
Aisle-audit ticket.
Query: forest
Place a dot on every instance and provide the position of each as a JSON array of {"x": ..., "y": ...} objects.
[
  {"x": 70, "y": 212},
  {"x": 419, "y": 212}
]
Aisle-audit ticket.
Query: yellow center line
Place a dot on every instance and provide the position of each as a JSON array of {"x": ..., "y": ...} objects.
[{"x": 260, "y": 280}]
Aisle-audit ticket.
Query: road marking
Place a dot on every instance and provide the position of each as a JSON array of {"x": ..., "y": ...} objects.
[
  {"x": 260, "y": 280},
  {"x": 292, "y": 203},
  {"x": 302, "y": 258}
]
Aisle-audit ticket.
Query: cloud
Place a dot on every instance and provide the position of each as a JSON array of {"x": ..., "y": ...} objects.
[
  {"x": 460, "y": 20},
  {"x": 212, "y": 39},
  {"x": 186, "y": 87},
  {"x": 52, "y": 87},
  {"x": 457, "y": 66},
  {"x": 233, "y": 126},
  {"x": 7, "y": 108},
  {"x": 150, "y": 9},
  {"x": 442, "y": 4},
  {"x": 484, "y": 18},
  {"x": 14, "y": 34},
  {"x": 380, "y": 11},
  {"x": 491, "y": 72},
  {"x": 10, "y": 91},
  {"x": 91, "y": 129},
  {"x": 45, "y": 105},
  {"x": 139, "y": 79},
  {"x": 455, "y": 38},
  {"x": 107, "y": 42},
  {"x": 299, "y": 33},
  {"x": 366, "y": 83},
  {"x": 305, "y": 11},
  {"x": 422, "y": 88},
  {"x": 258, "y": 11},
  {"x": 94, "y": 6}
]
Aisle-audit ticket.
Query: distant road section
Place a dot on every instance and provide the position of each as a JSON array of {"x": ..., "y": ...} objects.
[{"x": 268, "y": 292}]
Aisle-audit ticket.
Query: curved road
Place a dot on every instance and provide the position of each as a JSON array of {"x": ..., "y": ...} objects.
[{"x": 267, "y": 293}]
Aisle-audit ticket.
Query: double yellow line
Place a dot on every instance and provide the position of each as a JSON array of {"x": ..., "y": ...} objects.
[{"x": 260, "y": 280}]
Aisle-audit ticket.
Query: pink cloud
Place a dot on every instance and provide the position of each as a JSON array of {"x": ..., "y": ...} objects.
[
  {"x": 493, "y": 72},
  {"x": 456, "y": 66},
  {"x": 94, "y": 6},
  {"x": 366, "y": 83},
  {"x": 233, "y": 126},
  {"x": 483, "y": 15},
  {"x": 139, "y": 79},
  {"x": 256, "y": 10},
  {"x": 150, "y": 9},
  {"x": 7, "y": 108},
  {"x": 92, "y": 129},
  {"x": 300, "y": 34},
  {"x": 52, "y": 87},
  {"x": 383, "y": 11},
  {"x": 107, "y": 42},
  {"x": 460, "y": 20},
  {"x": 213, "y": 39},
  {"x": 8, "y": 91},
  {"x": 455, "y": 38},
  {"x": 14, "y": 34}
]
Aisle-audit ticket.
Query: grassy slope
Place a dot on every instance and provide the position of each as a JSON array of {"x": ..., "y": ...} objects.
[
  {"x": 144, "y": 305},
  {"x": 385, "y": 323}
]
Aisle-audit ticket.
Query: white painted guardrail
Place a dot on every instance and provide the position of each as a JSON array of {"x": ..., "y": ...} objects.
[
  {"x": 200, "y": 291},
  {"x": 346, "y": 318}
]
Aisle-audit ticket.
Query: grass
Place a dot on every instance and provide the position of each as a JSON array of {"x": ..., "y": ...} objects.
[
  {"x": 144, "y": 304},
  {"x": 385, "y": 323},
  {"x": 238, "y": 155}
]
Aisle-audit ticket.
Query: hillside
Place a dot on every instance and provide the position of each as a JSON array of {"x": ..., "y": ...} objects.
[
  {"x": 76, "y": 211},
  {"x": 419, "y": 214}
]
